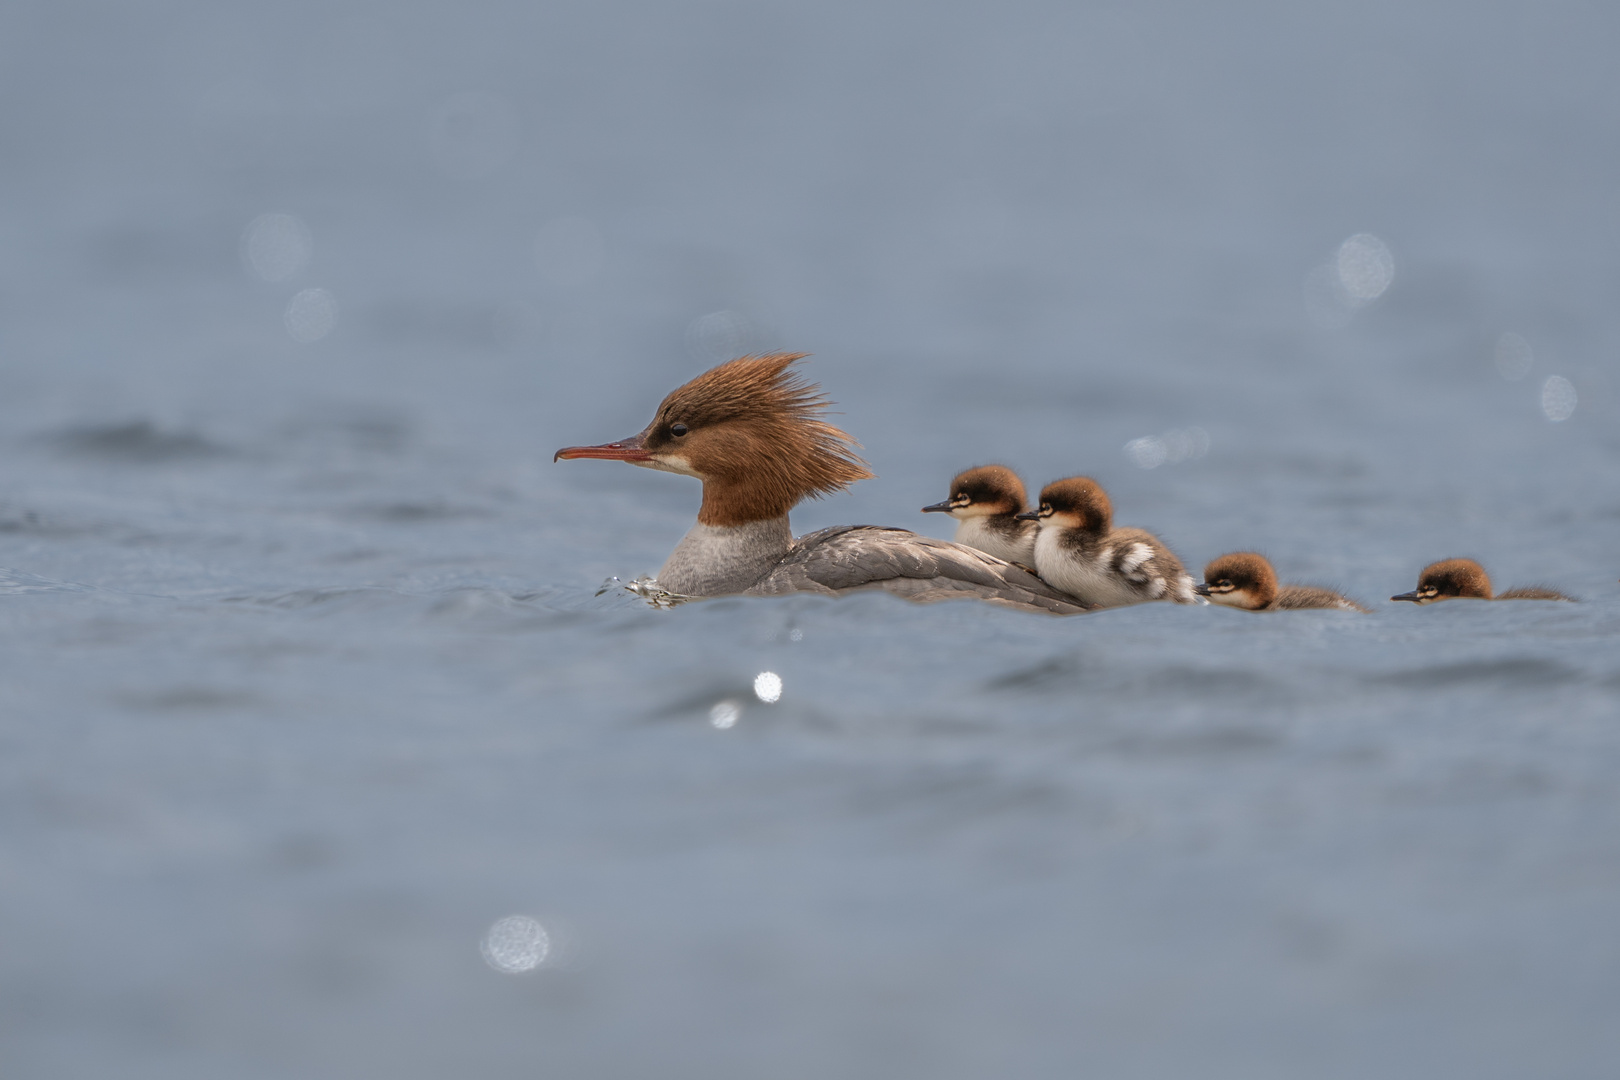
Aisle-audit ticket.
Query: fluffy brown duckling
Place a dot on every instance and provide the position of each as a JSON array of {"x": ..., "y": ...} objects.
[
  {"x": 1451, "y": 579},
  {"x": 1245, "y": 579},
  {"x": 986, "y": 502},
  {"x": 1079, "y": 551}
]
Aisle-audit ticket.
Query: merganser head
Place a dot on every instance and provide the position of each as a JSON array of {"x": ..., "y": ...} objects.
[
  {"x": 1076, "y": 503},
  {"x": 1243, "y": 579},
  {"x": 987, "y": 491},
  {"x": 1449, "y": 579},
  {"x": 751, "y": 430}
]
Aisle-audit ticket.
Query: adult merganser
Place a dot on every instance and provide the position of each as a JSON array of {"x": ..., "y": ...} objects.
[
  {"x": 1079, "y": 550},
  {"x": 1245, "y": 579},
  {"x": 985, "y": 502},
  {"x": 752, "y": 431},
  {"x": 1451, "y": 579}
]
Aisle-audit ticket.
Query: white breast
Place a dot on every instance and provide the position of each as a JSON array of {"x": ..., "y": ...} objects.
[
  {"x": 974, "y": 533},
  {"x": 1089, "y": 579}
]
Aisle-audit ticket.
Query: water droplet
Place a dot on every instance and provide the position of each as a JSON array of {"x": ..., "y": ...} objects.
[
  {"x": 515, "y": 944},
  {"x": 1365, "y": 267},
  {"x": 274, "y": 247},
  {"x": 768, "y": 687},
  {"x": 473, "y": 134},
  {"x": 310, "y": 315},
  {"x": 1513, "y": 357},
  {"x": 1558, "y": 399},
  {"x": 569, "y": 251},
  {"x": 725, "y": 715}
]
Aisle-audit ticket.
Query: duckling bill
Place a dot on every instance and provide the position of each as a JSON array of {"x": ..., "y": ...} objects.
[{"x": 986, "y": 502}]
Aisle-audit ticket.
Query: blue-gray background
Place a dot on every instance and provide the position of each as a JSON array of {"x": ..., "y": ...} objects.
[{"x": 303, "y": 684}]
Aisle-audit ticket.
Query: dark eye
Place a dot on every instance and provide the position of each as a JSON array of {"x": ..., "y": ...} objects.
[{"x": 677, "y": 430}]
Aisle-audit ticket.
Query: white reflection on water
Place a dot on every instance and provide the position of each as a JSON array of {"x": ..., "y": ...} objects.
[
  {"x": 473, "y": 134},
  {"x": 515, "y": 944},
  {"x": 1360, "y": 272},
  {"x": 1148, "y": 452},
  {"x": 1365, "y": 267},
  {"x": 725, "y": 714},
  {"x": 569, "y": 251},
  {"x": 768, "y": 687},
  {"x": 1558, "y": 399},
  {"x": 310, "y": 315},
  {"x": 1172, "y": 448},
  {"x": 274, "y": 247},
  {"x": 1513, "y": 357}
]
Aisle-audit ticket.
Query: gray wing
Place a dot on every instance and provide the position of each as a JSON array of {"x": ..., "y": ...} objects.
[{"x": 915, "y": 567}]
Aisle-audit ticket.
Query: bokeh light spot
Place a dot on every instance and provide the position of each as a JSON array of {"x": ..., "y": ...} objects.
[
  {"x": 768, "y": 687},
  {"x": 1365, "y": 267},
  {"x": 1558, "y": 399},
  {"x": 515, "y": 944},
  {"x": 1148, "y": 452},
  {"x": 1171, "y": 448},
  {"x": 274, "y": 247},
  {"x": 1359, "y": 273},
  {"x": 725, "y": 715},
  {"x": 310, "y": 315}
]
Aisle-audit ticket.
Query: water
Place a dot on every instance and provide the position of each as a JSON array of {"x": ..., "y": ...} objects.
[{"x": 321, "y": 757}]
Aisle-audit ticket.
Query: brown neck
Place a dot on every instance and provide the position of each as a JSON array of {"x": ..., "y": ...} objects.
[{"x": 728, "y": 503}]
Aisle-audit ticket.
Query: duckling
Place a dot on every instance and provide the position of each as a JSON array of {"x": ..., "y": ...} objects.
[
  {"x": 1451, "y": 579},
  {"x": 985, "y": 501},
  {"x": 1079, "y": 551},
  {"x": 1245, "y": 579}
]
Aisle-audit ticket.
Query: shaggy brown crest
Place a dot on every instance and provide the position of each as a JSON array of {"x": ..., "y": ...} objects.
[
  {"x": 751, "y": 430},
  {"x": 1081, "y": 496}
]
